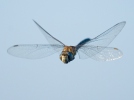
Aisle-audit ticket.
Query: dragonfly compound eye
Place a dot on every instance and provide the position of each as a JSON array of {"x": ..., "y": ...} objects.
[{"x": 70, "y": 56}]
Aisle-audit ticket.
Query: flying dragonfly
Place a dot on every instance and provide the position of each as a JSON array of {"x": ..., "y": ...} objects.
[{"x": 95, "y": 48}]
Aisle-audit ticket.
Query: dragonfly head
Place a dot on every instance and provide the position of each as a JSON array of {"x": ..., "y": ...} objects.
[{"x": 66, "y": 57}]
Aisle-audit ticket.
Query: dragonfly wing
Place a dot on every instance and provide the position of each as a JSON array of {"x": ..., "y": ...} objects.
[
  {"x": 52, "y": 40},
  {"x": 33, "y": 51},
  {"x": 82, "y": 55},
  {"x": 99, "y": 53},
  {"x": 108, "y": 54},
  {"x": 92, "y": 47},
  {"x": 89, "y": 51},
  {"x": 105, "y": 38}
]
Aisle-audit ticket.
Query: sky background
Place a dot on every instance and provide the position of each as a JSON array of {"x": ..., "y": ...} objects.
[{"x": 70, "y": 21}]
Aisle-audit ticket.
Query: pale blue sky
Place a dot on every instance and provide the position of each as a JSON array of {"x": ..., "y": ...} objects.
[{"x": 70, "y": 21}]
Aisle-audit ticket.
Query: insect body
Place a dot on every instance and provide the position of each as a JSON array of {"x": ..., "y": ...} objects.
[
  {"x": 95, "y": 48},
  {"x": 68, "y": 54}
]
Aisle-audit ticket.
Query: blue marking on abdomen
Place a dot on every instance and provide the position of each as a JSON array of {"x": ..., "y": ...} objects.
[{"x": 82, "y": 42}]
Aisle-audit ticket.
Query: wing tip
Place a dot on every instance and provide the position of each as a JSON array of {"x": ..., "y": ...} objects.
[
  {"x": 34, "y": 21},
  {"x": 123, "y": 22},
  {"x": 8, "y": 50}
]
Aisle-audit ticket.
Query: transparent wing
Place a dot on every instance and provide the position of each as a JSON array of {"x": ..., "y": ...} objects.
[
  {"x": 99, "y": 53},
  {"x": 94, "y": 47},
  {"x": 108, "y": 54},
  {"x": 105, "y": 38},
  {"x": 33, "y": 51},
  {"x": 89, "y": 51},
  {"x": 52, "y": 40}
]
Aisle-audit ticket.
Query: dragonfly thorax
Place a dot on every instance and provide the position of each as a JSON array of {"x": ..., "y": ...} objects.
[{"x": 68, "y": 54}]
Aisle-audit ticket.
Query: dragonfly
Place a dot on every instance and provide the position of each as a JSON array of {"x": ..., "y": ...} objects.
[{"x": 96, "y": 48}]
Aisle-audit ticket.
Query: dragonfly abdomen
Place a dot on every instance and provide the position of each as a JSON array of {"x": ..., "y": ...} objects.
[{"x": 80, "y": 44}]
